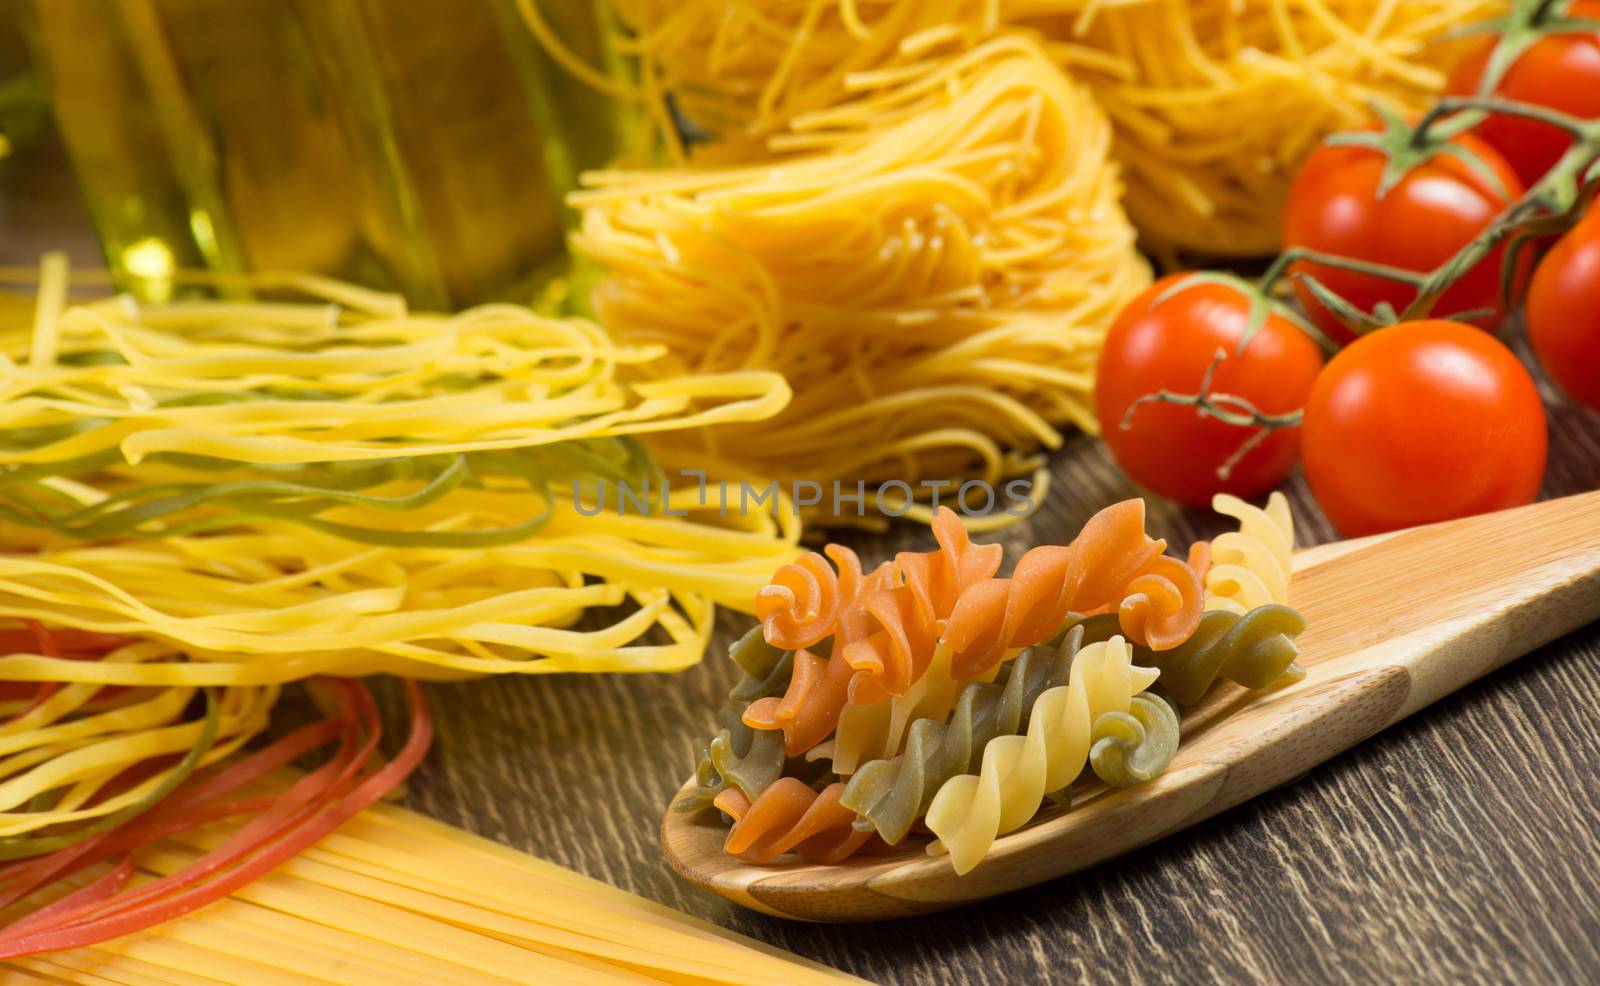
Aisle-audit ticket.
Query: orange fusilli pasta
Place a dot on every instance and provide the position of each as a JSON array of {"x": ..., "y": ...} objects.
[
  {"x": 800, "y": 607},
  {"x": 885, "y": 627},
  {"x": 790, "y": 817},
  {"x": 1111, "y": 566}
]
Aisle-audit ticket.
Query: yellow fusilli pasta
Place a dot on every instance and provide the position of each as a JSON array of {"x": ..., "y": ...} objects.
[
  {"x": 970, "y": 811},
  {"x": 1250, "y": 566},
  {"x": 877, "y": 730}
]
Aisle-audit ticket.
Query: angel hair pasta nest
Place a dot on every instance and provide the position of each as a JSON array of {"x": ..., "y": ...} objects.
[
  {"x": 931, "y": 264},
  {"x": 1215, "y": 102}
]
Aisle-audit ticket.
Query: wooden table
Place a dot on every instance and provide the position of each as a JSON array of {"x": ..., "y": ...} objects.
[{"x": 1459, "y": 846}]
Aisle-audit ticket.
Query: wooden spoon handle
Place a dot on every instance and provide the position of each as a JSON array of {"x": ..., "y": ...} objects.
[{"x": 1453, "y": 601}]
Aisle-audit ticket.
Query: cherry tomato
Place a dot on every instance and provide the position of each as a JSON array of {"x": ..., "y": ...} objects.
[
  {"x": 1420, "y": 422},
  {"x": 1433, "y": 211},
  {"x": 1564, "y": 311},
  {"x": 1171, "y": 448},
  {"x": 1560, "y": 71}
]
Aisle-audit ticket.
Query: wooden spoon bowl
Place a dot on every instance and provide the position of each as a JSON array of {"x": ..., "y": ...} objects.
[{"x": 1395, "y": 622}]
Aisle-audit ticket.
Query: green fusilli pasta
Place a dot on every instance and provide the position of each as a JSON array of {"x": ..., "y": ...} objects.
[
  {"x": 738, "y": 756},
  {"x": 1134, "y": 746},
  {"x": 1253, "y": 650},
  {"x": 892, "y": 794}
]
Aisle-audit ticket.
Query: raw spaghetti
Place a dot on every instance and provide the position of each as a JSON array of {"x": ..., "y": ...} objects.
[
  {"x": 931, "y": 265},
  {"x": 273, "y": 490},
  {"x": 393, "y": 897},
  {"x": 1215, "y": 101}
]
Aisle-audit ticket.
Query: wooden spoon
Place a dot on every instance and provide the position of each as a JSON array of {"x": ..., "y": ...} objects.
[{"x": 1396, "y": 622}]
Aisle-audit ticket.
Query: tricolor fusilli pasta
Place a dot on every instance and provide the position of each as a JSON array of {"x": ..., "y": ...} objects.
[{"x": 971, "y": 810}]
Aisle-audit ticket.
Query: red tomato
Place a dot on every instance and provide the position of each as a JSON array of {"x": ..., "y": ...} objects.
[
  {"x": 1561, "y": 71},
  {"x": 1564, "y": 311},
  {"x": 1170, "y": 448},
  {"x": 1431, "y": 213},
  {"x": 1421, "y": 422}
]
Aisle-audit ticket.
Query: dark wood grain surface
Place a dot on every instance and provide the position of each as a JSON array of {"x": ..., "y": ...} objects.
[{"x": 1462, "y": 845}]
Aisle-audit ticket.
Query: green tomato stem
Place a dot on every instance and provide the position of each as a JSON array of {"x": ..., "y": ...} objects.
[
  {"x": 1275, "y": 273},
  {"x": 1451, "y": 105},
  {"x": 1227, "y": 408}
]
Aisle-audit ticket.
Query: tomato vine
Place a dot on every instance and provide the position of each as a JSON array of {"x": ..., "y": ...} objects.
[{"x": 1553, "y": 203}]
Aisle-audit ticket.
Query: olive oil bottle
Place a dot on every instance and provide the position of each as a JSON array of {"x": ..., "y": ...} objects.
[{"x": 407, "y": 144}]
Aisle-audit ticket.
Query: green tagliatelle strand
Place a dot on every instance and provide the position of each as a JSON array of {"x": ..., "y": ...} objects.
[
  {"x": 301, "y": 494},
  {"x": 18, "y": 847}
]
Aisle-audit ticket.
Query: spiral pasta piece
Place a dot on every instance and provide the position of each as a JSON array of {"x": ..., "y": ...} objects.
[
  {"x": 1128, "y": 748},
  {"x": 862, "y": 736},
  {"x": 789, "y": 816},
  {"x": 887, "y": 633},
  {"x": 911, "y": 614},
  {"x": 866, "y": 732},
  {"x": 736, "y": 754},
  {"x": 891, "y": 794},
  {"x": 1161, "y": 605},
  {"x": 807, "y": 710},
  {"x": 1250, "y": 567},
  {"x": 801, "y": 605},
  {"x": 766, "y": 668},
  {"x": 971, "y": 810},
  {"x": 1111, "y": 564},
  {"x": 1254, "y": 650}
]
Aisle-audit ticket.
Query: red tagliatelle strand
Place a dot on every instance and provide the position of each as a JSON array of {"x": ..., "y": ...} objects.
[
  {"x": 46, "y": 643},
  {"x": 196, "y": 803},
  {"x": 107, "y": 884},
  {"x": 293, "y": 828},
  {"x": 356, "y": 710},
  {"x": 284, "y": 825}
]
